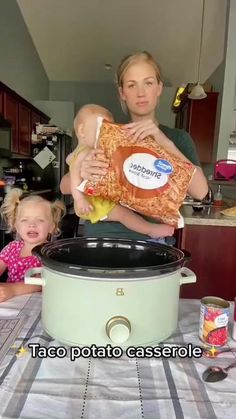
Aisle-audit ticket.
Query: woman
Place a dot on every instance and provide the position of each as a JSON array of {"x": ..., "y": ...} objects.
[{"x": 140, "y": 86}]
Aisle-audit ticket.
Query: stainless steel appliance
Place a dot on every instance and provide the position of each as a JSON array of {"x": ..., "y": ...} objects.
[{"x": 49, "y": 177}]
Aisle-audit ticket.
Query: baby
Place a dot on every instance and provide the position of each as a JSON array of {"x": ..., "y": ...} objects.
[{"x": 94, "y": 208}]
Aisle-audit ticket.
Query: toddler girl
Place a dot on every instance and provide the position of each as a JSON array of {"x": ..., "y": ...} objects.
[{"x": 34, "y": 220}]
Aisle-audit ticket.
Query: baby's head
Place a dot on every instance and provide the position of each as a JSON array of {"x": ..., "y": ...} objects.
[
  {"x": 32, "y": 217},
  {"x": 85, "y": 123}
]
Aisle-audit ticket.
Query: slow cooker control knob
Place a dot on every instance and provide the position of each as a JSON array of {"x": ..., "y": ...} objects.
[{"x": 118, "y": 329}]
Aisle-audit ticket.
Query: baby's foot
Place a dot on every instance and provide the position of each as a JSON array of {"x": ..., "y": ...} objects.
[{"x": 84, "y": 209}]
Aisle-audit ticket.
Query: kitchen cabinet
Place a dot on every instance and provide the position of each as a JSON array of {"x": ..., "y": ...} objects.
[
  {"x": 43, "y": 120},
  {"x": 22, "y": 115},
  {"x": 35, "y": 119},
  {"x": 10, "y": 112},
  {"x": 213, "y": 260},
  {"x": 198, "y": 117},
  {"x": 24, "y": 129},
  {"x": 1, "y": 103}
]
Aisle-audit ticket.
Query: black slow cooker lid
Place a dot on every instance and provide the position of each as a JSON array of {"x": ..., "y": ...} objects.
[{"x": 110, "y": 257}]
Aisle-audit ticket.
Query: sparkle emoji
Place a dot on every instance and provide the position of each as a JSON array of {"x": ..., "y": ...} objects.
[
  {"x": 21, "y": 351},
  {"x": 210, "y": 352}
]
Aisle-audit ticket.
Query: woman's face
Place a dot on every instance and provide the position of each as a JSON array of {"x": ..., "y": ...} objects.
[{"x": 140, "y": 90}]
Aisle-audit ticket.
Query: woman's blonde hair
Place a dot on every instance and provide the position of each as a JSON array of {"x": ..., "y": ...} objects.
[
  {"x": 127, "y": 62},
  {"x": 15, "y": 198}
]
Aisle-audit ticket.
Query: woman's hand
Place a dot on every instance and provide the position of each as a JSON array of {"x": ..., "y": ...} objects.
[
  {"x": 94, "y": 165},
  {"x": 140, "y": 130}
]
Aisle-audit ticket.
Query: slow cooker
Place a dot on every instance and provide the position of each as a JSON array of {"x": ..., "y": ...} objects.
[{"x": 109, "y": 291}]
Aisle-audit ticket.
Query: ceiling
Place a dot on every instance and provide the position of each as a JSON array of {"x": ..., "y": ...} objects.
[{"x": 76, "y": 38}]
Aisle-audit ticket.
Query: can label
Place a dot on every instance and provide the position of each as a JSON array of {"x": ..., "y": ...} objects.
[{"x": 214, "y": 317}]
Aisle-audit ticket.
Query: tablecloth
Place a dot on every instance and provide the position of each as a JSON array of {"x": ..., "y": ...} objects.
[{"x": 124, "y": 388}]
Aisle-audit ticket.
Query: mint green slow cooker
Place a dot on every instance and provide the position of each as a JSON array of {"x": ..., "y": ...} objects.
[{"x": 109, "y": 291}]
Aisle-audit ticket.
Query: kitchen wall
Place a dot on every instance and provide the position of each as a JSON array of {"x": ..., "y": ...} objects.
[
  {"x": 20, "y": 68},
  {"x": 81, "y": 93},
  {"x": 106, "y": 95},
  {"x": 60, "y": 112}
]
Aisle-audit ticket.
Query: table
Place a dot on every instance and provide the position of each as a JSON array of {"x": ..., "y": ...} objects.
[{"x": 126, "y": 388}]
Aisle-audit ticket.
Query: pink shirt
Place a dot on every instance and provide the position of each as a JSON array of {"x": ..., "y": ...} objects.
[{"x": 17, "y": 265}]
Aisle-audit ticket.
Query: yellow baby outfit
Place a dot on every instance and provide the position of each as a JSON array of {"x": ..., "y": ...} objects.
[{"x": 101, "y": 207}]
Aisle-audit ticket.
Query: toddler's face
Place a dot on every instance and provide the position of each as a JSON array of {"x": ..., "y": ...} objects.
[{"x": 34, "y": 222}]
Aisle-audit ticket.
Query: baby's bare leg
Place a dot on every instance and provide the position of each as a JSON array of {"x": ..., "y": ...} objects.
[
  {"x": 135, "y": 222},
  {"x": 83, "y": 207}
]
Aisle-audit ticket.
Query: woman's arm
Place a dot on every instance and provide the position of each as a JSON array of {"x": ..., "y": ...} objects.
[
  {"x": 12, "y": 289},
  {"x": 65, "y": 184},
  {"x": 198, "y": 187}
]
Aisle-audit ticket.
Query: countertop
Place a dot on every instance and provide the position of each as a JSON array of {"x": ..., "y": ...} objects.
[{"x": 209, "y": 215}]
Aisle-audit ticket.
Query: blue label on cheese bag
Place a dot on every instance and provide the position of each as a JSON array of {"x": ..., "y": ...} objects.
[{"x": 163, "y": 166}]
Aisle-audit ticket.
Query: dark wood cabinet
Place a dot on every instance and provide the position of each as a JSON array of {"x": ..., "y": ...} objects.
[
  {"x": 1, "y": 103},
  {"x": 10, "y": 107},
  {"x": 22, "y": 115},
  {"x": 24, "y": 130},
  {"x": 213, "y": 261},
  {"x": 198, "y": 117},
  {"x": 35, "y": 119},
  {"x": 43, "y": 120}
]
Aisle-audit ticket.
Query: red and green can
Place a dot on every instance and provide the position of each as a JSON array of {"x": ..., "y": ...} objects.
[{"x": 214, "y": 317}]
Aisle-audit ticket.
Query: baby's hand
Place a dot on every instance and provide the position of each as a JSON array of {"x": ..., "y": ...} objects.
[{"x": 161, "y": 230}]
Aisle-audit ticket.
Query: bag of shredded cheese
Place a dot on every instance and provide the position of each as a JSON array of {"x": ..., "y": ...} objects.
[{"x": 142, "y": 176}]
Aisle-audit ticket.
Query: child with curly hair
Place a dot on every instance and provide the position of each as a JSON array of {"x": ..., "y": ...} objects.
[{"x": 34, "y": 220}]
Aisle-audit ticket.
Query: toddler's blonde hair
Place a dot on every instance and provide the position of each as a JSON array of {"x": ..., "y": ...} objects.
[{"x": 14, "y": 199}]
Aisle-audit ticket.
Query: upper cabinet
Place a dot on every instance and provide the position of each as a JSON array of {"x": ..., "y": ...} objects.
[
  {"x": 10, "y": 112},
  {"x": 23, "y": 116},
  {"x": 198, "y": 117},
  {"x": 25, "y": 129},
  {"x": 1, "y": 103}
]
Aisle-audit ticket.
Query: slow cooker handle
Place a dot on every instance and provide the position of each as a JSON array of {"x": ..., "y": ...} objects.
[
  {"x": 30, "y": 279},
  {"x": 187, "y": 276},
  {"x": 187, "y": 255}
]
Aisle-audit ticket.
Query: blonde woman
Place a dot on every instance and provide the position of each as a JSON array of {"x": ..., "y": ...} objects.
[
  {"x": 140, "y": 86},
  {"x": 34, "y": 220}
]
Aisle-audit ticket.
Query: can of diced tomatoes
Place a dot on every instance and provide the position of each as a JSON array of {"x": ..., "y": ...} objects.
[{"x": 214, "y": 317}]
